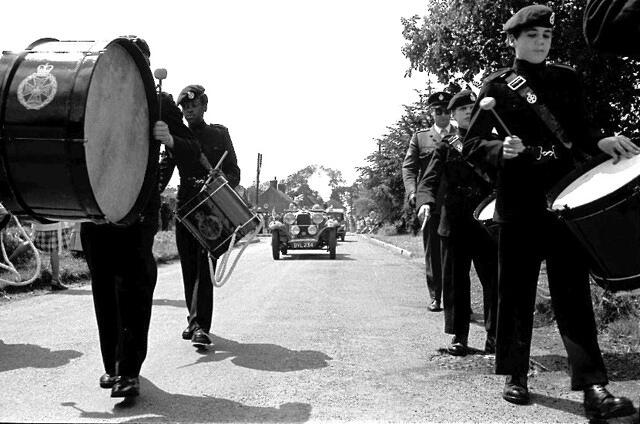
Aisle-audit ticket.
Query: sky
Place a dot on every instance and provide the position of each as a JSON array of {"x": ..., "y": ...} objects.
[{"x": 302, "y": 82}]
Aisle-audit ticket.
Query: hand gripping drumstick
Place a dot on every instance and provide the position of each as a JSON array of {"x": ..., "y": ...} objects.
[
  {"x": 160, "y": 74},
  {"x": 488, "y": 103}
]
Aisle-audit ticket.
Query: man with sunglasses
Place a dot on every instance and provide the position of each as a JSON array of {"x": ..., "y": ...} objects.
[{"x": 421, "y": 148}]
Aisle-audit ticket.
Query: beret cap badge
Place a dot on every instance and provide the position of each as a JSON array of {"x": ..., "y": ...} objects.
[
  {"x": 552, "y": 19},
  {"x": 191, "y": 95}
]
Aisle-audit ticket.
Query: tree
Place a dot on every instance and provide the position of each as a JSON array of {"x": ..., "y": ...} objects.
[{"x": 461, "y": 39}]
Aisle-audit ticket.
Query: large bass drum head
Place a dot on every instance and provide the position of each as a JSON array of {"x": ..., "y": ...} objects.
[
  {"x": 597, "y": 183},
  {"x": 117, "y": 131}
]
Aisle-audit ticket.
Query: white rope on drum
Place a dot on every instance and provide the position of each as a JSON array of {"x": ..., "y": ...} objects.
[
  {"x": 11, "y": 268},
  {"x": 219, "y": 277}
]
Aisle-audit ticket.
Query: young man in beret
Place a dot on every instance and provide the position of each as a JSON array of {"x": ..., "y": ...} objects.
[
  {"x": 463, "y": 239},
  {"x": 542, "y": 106},
  {"x": 214, "y": 142},
  {"x": 417, "y": 158},
  {"x": 123, "y": 269}
]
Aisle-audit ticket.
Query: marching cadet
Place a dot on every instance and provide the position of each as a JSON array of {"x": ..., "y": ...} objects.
[
  {"x": 543, "y": 130},
  {"x": 214, "y": 141},
  {"x": 462, "y": 238},
  {"x": 421, "y": 147}
]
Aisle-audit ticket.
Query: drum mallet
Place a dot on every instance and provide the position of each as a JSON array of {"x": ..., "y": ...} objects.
[
  {"x": 160, "y": 74},
  {"x": 204, "y": 158},
  {"x": 488, "y": 103}
]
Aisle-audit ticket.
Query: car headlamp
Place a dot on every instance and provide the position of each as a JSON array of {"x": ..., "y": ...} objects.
[
  {"x": 313, "y": 230},
  {"x": 317, "y": 218},
  {"x": 295, "y": 230},
  {"x": 289, "y": 218}
]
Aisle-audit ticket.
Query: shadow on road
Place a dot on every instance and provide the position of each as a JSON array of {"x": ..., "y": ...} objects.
[
  {"x": 156, "y": 405},
  {"x": 566, "y": 405},
  {"x": 16, "y": 356},
  {"x": 263, "y": 356},
  {"x": 169, "y": 302},
  {"x": 315, "y": 257}
]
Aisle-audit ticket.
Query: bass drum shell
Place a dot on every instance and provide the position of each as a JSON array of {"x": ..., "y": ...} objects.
[
  {"x": 483, "y": 213},
  {"x": 76, "y": 131},
  {"x": 599, "y": 203}
]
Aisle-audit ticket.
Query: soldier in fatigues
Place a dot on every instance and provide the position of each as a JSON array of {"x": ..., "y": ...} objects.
[
  {"x": 214, "y": 141},
  {"x": 421, "y": 147},
  {"x": 462, "y": 238},
  {"x": 542, "y": 106}
]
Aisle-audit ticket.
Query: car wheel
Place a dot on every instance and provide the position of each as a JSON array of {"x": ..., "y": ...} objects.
[
  {"x": 333, "y": 242},
  {"x": 275, "y": 245}
]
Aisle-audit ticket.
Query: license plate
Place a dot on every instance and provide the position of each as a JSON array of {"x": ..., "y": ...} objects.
[{"x": 303, "y": 245}]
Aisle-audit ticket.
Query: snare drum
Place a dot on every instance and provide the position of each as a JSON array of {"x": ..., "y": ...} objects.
[
  {"x": 484, "y": 214},
  {"x": 599, "y": 203},
  {"x": 214, "y": 214},
  {"x": 75, "y": 122}
]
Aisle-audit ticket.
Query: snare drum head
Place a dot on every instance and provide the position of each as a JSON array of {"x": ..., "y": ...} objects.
[
  {"x": 117, "y": 131},
  {"x": 597, "y": 182},
  {"x": 485, "y": 210}
]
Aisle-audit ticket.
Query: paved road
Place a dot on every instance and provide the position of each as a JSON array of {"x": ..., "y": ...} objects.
[{"x": 301, "y": 339}]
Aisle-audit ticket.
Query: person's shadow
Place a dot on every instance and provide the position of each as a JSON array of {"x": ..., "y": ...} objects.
[
  {"x": 565, "y": 405},
  {"x": 263, "y": 356},
  {"x": 16, "y": 356},
  {"x": 156, "y": 405}
]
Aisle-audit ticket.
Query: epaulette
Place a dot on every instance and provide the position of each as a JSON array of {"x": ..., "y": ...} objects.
[
  {"x": 500, "y": 72},
  {"x": 218, "y": 126},
  {"x": 561, "y": 66}
]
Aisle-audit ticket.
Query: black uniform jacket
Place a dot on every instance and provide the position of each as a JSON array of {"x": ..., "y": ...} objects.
[
  {"x": 185, "y": 146},
  {"x": 463, "y": 189},
  {"x": 421, "y": 146},
  {"x": 613, "y": 26},
  {"x": 522, "y": 182},
  {"x": 213, "y": 140}
]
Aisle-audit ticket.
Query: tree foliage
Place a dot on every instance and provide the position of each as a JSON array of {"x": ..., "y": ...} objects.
[{"x": 462, "y": 39}]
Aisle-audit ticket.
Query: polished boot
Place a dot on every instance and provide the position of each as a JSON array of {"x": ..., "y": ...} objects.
[
  {"x": 515, "y": 389},
  {"x": 125, "y": 387},
  {"x": 458, "y": 346},
  {"x": 600, "y": 404},
  {"x": 107, "y": 381},
  {"x": 187, "y": 333},
  {"x": 435, "y": 306}
]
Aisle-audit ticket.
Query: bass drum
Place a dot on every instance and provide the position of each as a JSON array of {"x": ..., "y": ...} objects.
[
  {"x": 600, "y": 204},
  {"x": 75, "y": 141}
]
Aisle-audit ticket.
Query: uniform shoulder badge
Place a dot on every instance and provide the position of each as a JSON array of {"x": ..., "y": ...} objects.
[
  {"x": 500, "y": 72},
  {"x": 455, "y": 141}
]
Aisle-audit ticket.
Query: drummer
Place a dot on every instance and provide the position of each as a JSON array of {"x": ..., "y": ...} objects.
[
  {"x": 543, "y": 131},
  {"x": 214, "y": 142},
  {"x": 462, "y": 238}
]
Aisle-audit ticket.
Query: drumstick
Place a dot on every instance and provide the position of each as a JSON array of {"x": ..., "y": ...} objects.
[
  {"x": 160, "y": 74},
  {"x": 424, "y": 222},
  {"x": 224, "y": 155},
  {"x": 488, "y": 103}
]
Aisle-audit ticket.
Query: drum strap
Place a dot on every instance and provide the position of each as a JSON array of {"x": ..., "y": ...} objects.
[
  {"x": 456, "y": 143},
  {"x": 519, "y": 84}
]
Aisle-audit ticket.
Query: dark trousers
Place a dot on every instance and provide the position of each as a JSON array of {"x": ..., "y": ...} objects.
[
  {"x": 522, "y": 247},
  {"x": 123, "y": 277},
  {"x": 198, "y": 287},
  {"x": 431, "y": 244},
  {"x": 470, "y": 243}
]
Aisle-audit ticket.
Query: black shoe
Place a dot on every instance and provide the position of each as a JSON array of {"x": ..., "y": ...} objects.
[
  {"x": 107, "y": 381},
  {"x": 515, "y": 390},
  {"x": 125, "y": 387},
  {"x": 600, "y": 404},
  {"x": 200, "y": 338},
  {"x": 490, "y": 345},
  {"x": 458, "y": 346},
  {"x": 188, "y": 333},
  {"x": 58, "y": 286},
  {"x": 435, "y": 306}
]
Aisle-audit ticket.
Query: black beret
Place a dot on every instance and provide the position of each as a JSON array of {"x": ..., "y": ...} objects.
[
  {"x": 530, "y": 16},
  {"x": 441, "y": 98},
  {"x": 464, "y": 97},
  {"x": 190, "y": 92}
]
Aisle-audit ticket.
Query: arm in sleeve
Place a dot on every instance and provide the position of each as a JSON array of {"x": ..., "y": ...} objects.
[
  {"x": 411, "y": 166},
  {"x": 186, "y": 147},
  {"x": 429, "y": 183},
  {"x": 230, "y": 164},
  {"x": 587, "y": 134}
]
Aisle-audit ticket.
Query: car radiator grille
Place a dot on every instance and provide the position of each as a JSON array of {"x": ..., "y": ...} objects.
[{"x": 303, "y": 219}]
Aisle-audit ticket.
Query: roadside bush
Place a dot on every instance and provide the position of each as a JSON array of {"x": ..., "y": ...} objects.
[{"x": 388, "y": 230}]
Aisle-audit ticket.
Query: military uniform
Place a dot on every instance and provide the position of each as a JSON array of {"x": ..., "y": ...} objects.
[
  {"x": 123, "y": 269},
  {"x": 529, "y": 233},
  {"x": 463, "y": 239},
  {"x": 214, "y": 140},
  {"x": 613, "y": 26},
  {"x": 421, "y": 147}
]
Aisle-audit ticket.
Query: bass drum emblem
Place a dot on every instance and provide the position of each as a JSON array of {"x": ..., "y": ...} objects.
[{"x": 38, "y": 89}]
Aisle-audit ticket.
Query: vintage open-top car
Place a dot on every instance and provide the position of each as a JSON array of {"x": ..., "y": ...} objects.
[
  {"x": 338, "y": 215},
  {"x": 304, "y": 229}
]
